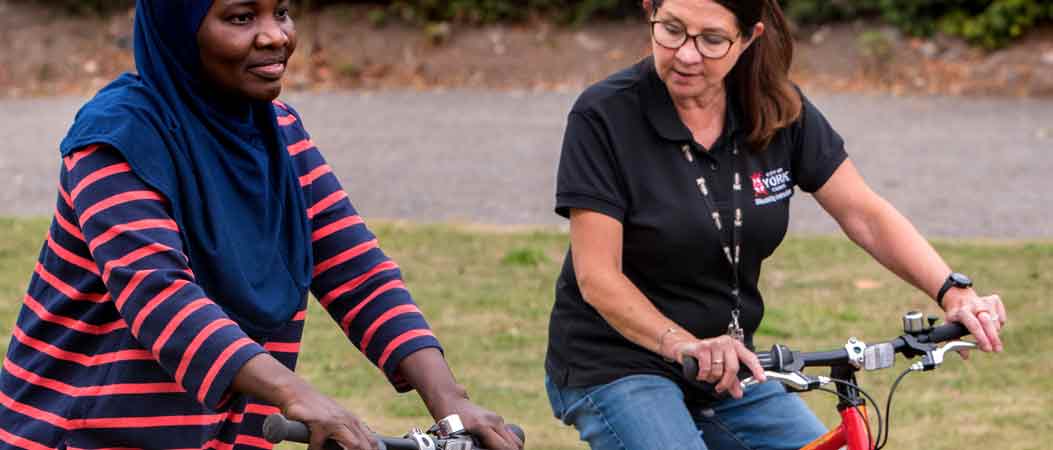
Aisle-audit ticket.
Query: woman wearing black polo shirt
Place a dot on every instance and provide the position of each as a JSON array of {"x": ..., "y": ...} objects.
[{"x": 676, "y": 175}]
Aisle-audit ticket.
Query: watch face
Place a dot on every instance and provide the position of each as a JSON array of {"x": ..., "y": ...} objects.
[{"x": 961, "y": 280}]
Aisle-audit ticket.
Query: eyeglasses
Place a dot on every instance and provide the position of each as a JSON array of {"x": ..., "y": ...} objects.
[{"x": 673, "y": 36}]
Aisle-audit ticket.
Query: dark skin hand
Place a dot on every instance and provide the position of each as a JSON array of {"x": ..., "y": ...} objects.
[
  {"x": 265, "y": 378},
  {"x": 427, "y": 372}
]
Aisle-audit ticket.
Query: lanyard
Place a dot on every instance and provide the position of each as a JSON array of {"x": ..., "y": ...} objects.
[{"x": 732, "y": 249}]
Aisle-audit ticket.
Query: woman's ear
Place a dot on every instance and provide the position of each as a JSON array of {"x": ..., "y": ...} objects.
[{"x": 758, "y": 31}]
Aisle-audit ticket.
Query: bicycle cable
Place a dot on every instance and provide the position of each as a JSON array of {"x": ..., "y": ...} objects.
[
  {"x": 888, "y": 407},
  {"x": 869, "y": 434},
  {"x": 877, "y": 408}
]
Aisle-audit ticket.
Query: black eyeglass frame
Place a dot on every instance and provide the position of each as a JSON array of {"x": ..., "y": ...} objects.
[{"x": 694, "y": 37}]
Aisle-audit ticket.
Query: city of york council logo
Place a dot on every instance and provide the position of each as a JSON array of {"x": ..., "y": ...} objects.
[
  {"x": 758, "y": 185},
  {"x": 771, "y": 186}
]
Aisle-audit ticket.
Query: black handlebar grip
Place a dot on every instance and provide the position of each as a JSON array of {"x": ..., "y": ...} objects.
[
  {"x": 516, "y": 430},
  {"x": 690, "y": 366},
  {"x": 946, "y": 332},
  {"x": 277, "y": 428},
  {"x": 690, "y": 369}
]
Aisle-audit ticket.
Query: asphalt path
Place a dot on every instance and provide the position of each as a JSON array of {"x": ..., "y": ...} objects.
[{"x": 956, "y": 167}]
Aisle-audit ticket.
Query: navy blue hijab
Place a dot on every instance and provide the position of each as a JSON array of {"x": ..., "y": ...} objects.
[{"x": 223, "y": 167}]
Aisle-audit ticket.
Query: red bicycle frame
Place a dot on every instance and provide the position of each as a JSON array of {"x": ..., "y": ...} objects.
[{"x": 851, "y": 434}]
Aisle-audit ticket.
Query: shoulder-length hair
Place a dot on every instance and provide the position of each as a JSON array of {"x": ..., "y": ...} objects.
[{"x": 760, "y": 81}]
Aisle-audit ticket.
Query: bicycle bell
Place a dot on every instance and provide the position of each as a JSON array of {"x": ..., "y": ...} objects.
[{"x": 914, "y": 322}]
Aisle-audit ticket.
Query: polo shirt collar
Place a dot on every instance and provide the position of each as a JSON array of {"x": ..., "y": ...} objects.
[{"x": 660, "y": 111}]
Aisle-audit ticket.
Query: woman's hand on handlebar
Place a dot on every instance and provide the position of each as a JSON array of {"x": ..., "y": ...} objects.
[
  {"x": 719, "y": 360},
  {"x": 327, "y": 420},
  {"x": 983, "y": 316},
  {"x": 265, "y": 378},
  {"x": 427, "y": 372},
  {"x": 488, "y": 427}
]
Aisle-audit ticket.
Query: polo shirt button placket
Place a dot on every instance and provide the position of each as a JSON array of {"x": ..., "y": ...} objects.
[{"x": 686, "y": 148}]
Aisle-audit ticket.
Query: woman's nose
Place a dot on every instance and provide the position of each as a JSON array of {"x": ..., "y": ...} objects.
[
  {"x": 688, "y": 53},
  {"x": 271, "y": 35}
]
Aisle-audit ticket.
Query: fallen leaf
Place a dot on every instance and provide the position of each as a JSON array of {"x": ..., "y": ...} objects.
[{"x": 867, "y": 284}]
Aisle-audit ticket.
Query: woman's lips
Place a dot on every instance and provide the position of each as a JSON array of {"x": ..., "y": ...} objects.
[
  {"x": 685, "y": 77},
  {"x": 269, "y": 71}
]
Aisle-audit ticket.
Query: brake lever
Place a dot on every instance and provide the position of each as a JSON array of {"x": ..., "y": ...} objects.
[
  {"x": 934, "y": 358},
  {"x": 423, "y": 440},
  {"x": 794, "y": 380}
]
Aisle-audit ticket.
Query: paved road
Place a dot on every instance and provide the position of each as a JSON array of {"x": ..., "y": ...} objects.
[{"x": 956, "y": 167}]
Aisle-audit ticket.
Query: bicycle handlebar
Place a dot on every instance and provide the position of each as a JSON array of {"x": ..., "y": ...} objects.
[
  {"x": 277, "y": 428},
  {"x": 945, "y": 332},
  {"x": 779, "y": 357}
]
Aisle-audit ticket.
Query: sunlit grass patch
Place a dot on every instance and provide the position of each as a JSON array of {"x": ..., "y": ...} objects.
[{"x": 487, "y": 293}]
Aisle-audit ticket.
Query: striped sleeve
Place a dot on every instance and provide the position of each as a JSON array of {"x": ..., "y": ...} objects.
[
  {"x": 360, "y": 287},
  {"x": 138, "y": 252}
]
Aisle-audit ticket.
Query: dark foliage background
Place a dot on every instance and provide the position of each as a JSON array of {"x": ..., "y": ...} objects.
[{"x": 985, "y": 23}]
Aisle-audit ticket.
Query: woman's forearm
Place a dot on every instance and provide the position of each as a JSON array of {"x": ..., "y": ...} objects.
[
  {"x": 426, "y": 370},
  {"x": 894, "y": 242},
  {"x": 596, "y": 249},
  {"x": 876, "y": 226},
  {"x": 626, "y": 309},
  {"x": 265, "y": 378}
]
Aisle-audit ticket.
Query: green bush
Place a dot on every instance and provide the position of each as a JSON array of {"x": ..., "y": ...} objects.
[
  {"x": 822, "y": 11},
  {"x": 490, "y": 11},
  {"x": 998, "y": 24},
  {"x": 987, "y": 23},
  {"x": 84, "y": 7}
]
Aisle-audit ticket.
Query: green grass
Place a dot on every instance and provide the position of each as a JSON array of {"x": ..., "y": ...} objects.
[{"x": 487, "y": 293}]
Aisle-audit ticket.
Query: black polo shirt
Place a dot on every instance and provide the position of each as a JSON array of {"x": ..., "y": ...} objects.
[{"x": 624, "y": 156}]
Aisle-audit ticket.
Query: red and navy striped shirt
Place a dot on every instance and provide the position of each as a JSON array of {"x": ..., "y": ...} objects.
[{"x": 116, "y": 346}]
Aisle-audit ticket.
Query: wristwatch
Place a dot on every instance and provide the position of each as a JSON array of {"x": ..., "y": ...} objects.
[{"x": 954, "y": 280}]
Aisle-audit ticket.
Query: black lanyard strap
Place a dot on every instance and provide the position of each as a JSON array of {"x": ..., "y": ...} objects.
[{"x": 732, "y": 248}]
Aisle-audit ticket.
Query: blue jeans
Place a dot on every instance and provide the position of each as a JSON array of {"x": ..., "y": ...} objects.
[{"x": 648, "y": 412}]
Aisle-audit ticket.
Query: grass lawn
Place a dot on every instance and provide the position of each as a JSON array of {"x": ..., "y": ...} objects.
[{"x": 487, "y": 294}]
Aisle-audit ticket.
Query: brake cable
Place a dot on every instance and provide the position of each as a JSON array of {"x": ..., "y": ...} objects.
[
  {"x": 877, "y": 407},
  {"x": 842, "y": 397},
  {"x": 888, "y": 406}
]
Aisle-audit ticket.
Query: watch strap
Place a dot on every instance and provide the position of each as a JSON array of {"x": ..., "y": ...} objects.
[{"x": 947, "y": 285}]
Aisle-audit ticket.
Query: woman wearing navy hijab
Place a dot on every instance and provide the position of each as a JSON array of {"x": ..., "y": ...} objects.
[{"x": 194, "y": 214}]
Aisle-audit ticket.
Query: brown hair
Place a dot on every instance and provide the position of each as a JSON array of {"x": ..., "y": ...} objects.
[{"x": 760, "y": 80}]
